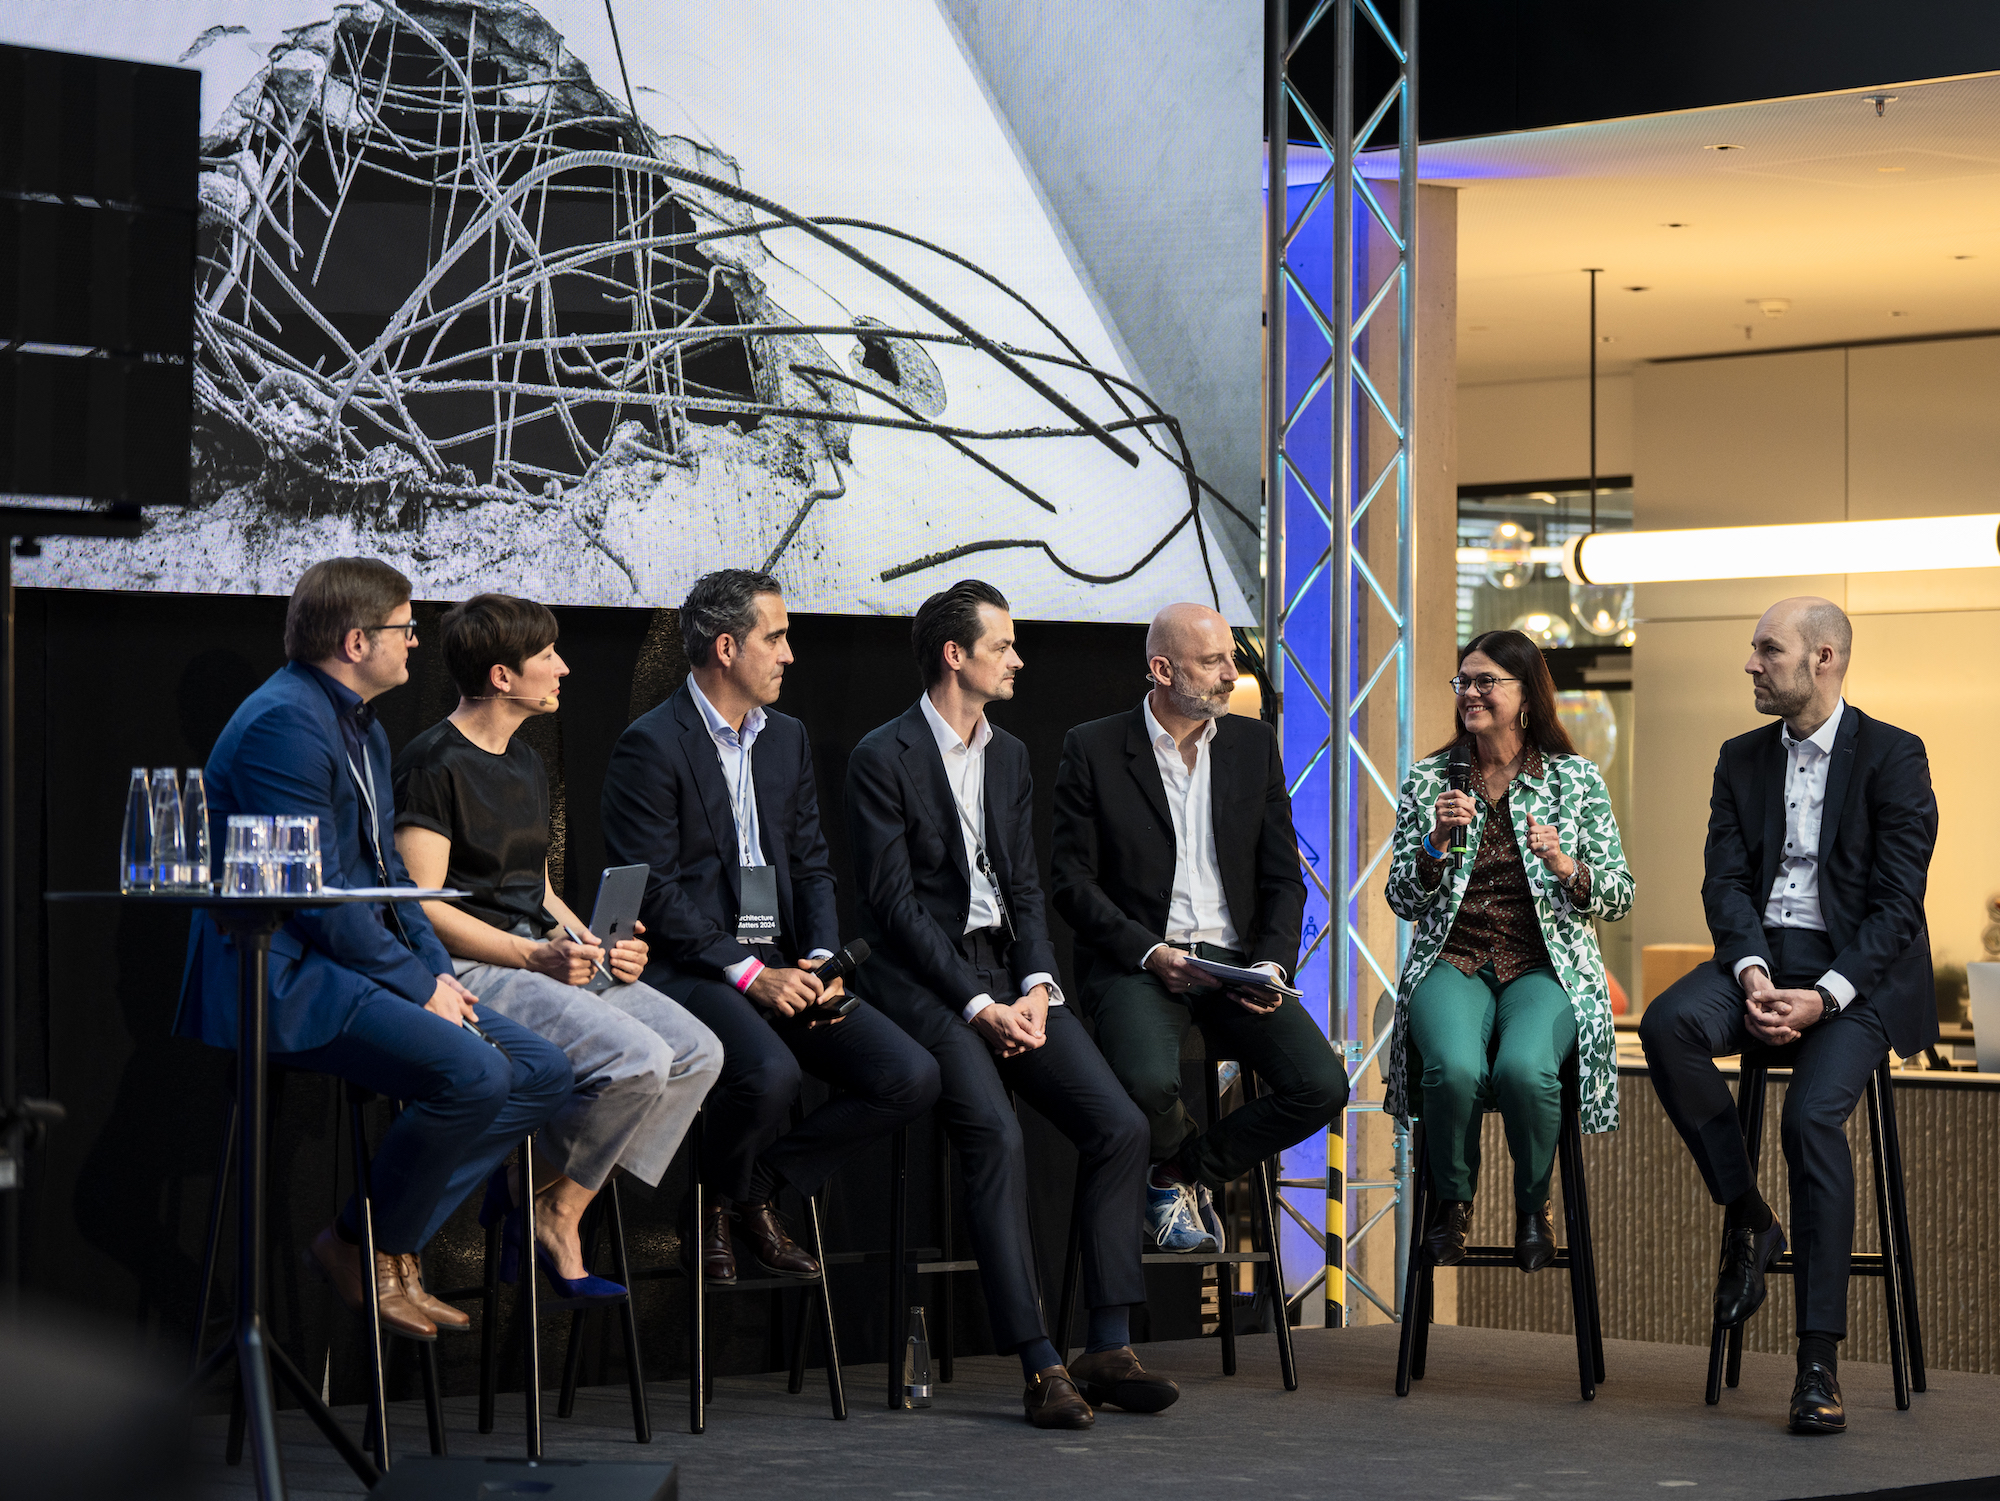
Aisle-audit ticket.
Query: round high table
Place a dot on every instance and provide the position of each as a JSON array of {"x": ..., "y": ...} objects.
[{"x": 250, "y": 921}]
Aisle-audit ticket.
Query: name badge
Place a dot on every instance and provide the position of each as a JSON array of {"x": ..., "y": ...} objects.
[{"x": 757, "y": 915}]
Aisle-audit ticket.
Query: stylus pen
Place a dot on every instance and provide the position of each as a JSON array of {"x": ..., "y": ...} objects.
[{"x": 570, "y": 933}]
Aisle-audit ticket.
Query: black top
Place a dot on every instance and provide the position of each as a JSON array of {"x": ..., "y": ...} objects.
[{"x": 494, "y": 810}]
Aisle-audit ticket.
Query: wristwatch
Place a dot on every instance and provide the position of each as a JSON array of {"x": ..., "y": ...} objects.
[{"x": 1826, "y": 996}]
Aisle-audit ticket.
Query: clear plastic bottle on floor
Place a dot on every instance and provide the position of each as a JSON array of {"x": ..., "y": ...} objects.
[
  {"x": 917, "y": 1363},
  {"x": 135, "y": 844}
]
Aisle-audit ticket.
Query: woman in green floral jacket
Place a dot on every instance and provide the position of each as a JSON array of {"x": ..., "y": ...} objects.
[{"x": 1504, "y": 979}]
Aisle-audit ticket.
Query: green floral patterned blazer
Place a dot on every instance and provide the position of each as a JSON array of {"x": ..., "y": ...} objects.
[{"x": 1570, "y": 795}]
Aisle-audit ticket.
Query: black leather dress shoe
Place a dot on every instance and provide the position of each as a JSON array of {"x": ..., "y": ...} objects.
[
  {"x": 1534, "y": 1239},
  {"x": 1816, "y": 1402},
  {"x": 1445, "y": 1239},
  {"x": 1739, "y": 1281}
]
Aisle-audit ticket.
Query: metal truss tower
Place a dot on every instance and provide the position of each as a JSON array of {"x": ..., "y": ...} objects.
[{"x": 1340, "y": 567}]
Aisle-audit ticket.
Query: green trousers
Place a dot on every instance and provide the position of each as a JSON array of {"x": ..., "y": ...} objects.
[
  {"x": 1482, "y": 1042},
  {"x": 1139, "y": 1030}
]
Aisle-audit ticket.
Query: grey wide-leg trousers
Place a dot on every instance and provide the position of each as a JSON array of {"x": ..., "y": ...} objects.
[{"x": 643, "y": 1065}]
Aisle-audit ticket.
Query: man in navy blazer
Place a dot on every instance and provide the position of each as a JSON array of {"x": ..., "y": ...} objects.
[
  {"x": 942, "y": 813},
  {"x": 714, "y": 791},
  {"x": 1820, "y": 833},
  {"x": 365, "y": 993}
]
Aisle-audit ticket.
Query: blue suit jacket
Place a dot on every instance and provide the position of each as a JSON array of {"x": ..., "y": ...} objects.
[
  {"x": 281, "y": 752},
  {"x": 666, "y": 805}
]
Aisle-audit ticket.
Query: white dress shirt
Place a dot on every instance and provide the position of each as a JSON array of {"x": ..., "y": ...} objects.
[
  {"x": 732, "y": 749},
  {"x": 1197, "y": 911},
  {"x": 965, "y": 774},
  {"x": 1794, "y": 898}
]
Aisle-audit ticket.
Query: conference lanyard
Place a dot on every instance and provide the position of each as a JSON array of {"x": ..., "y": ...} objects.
[
  {"x": 982, "y": 860},
  {"x": 364, "y": 783},
  {"x": 756, "y": 882}
]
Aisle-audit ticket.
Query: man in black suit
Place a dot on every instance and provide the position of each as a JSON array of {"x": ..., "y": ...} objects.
[
  {"x": 715, "y": 793},
  {"x": 1174, "y": 840},
  {"x": 1820, "y": 831},
  {"x": 942, "y": 812}
]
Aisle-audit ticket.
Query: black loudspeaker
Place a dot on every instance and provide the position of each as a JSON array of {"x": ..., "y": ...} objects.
[
  {"x": 99, "y": 190},
  {"x": 424, "y": 1478}
]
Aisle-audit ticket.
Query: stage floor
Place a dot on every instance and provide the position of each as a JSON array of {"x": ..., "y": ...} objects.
[{"x": 1497, "y": 1419}]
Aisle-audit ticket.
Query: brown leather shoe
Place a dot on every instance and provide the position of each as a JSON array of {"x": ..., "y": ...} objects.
[
  {"x": 340, "y": 1264},
  {"x": 718, "y": 1251},
  {"x": 449, "y": 1320},
  {"x": 1052, "y": 1401},
  {"x": 770, "y": 1245},
  {"x": 1114, "y": 1378}
]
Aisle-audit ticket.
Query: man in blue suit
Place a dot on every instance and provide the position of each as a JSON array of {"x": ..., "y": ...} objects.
[{"x": 365, "y": 993}]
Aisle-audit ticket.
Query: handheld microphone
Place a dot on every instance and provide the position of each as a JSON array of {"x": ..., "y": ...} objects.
[
  {"x": 1459, "y": 768},
  {"x": 840, "y": 967}
]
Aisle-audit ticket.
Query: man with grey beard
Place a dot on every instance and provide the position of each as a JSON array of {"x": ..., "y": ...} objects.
[
  {"x": 1174, "y": 841},
  {"x": 1820, "y": 831}
]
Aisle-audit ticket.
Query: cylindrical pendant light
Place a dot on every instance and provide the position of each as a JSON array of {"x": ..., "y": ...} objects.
[{"x": 1754, "y": 552}]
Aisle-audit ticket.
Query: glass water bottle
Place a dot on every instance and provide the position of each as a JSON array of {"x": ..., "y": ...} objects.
[
  {"x": 135, "y": 845},
  {"x": 170, "y": 861},
  {"x": 194, "y": 810},
  {"x": 917, "y": 1363}
]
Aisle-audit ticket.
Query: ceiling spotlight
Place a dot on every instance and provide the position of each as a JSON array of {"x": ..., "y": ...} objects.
[
  {"x": 1773, "y": 307},
  {"x": 1880, "y": 101},
  {"x": 1676, "y": 224},
  {"x": 1723, "y": 146},
  {"x": 1607, "y": 338},
  {"x": 1964, "y": 257},
  {"x": 1638, "y": 289}
]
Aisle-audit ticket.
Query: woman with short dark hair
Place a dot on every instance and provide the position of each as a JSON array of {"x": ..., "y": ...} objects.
[{"x": 1504, "y": 980}]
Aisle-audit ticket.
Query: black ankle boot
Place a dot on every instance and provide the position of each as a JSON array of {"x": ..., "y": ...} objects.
[
  {"x": 1445, "y": 1238},
  {"x": 1534, "y": 1239}
]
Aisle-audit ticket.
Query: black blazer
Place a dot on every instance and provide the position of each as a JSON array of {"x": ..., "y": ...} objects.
[
  {"x": 1114, "y": 842},
  {"x": 1875, "y": 847},
  {"x": 666, "y": 805},
  {"x": 909, "y": 858}
]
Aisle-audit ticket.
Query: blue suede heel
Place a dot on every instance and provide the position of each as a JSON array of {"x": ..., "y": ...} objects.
[{"x": 576, "y": 1292}]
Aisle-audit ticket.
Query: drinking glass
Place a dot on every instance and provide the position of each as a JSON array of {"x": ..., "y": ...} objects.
[
  {"x": 246, "y": 858},
  {"x": 135, "y": 844},
  {"x": 295, "y": 846},
  {"x": 170, "y": 862}
]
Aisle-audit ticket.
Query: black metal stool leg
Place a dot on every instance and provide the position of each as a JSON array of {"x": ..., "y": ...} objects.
[
  {"x": 628, "y": 1318},
  {"x": 795, "y": 1380},
  {"x": 1265, "y": 1212},
  {"x": 1072, "y": 1274},
  {"x": 489, "y": 1326},
  {"x": 836, "y": 1393},
  {"x": 1567, "y": 1151},
  {"x": 1416, "y": 1275},
  {"x": 1588, "y": 1245},
  {"x": 899, "y": 1262},
  {"x": 224, "y": 1160},
  {"x": 1892, "y": 1282},
  {"x": 433, "y": 1410},
  {"x": 697, "y": 1289},
  {"x": 1899, "y": 1218},
  {"x": 947, "y": 1332},
  {"x": 529, "y": 1307},
  {"x": 371, "y": 1310},
  {"x": 573, "y": 1346}
]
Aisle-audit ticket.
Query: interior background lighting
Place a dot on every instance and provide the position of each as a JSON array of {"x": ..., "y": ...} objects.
[{"x": 1754, "y": 552}]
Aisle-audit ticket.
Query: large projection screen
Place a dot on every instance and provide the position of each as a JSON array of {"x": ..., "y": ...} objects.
[{"x": 579, "y": 300}]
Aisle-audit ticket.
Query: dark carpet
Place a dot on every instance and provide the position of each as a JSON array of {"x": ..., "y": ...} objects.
[{"x": 1497, "y": 1419}]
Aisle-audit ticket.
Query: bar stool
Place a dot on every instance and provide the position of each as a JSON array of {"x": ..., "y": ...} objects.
[
  {"x": 906, "y": 1261},
  {"x": 1893, "y": 1263},
  {"x": 700, "y": 1382},
  {"x": 375, "y": 1435},
  {"x": 1263, "y": 1253},
  {"x": 606, "y": 1218},
  {"x": 1578, "y": 1257}
]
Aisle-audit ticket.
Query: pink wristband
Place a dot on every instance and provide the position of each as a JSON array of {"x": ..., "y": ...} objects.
[{"x": 743, "y": 980}]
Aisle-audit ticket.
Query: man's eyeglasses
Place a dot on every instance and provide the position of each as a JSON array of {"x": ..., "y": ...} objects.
[
  {"x": 1483, "y": 684},
  {"x": 408, "y": 628}
]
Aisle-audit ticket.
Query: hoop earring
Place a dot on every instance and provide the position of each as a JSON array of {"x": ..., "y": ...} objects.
[{"x": 1524, "y": 719}]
